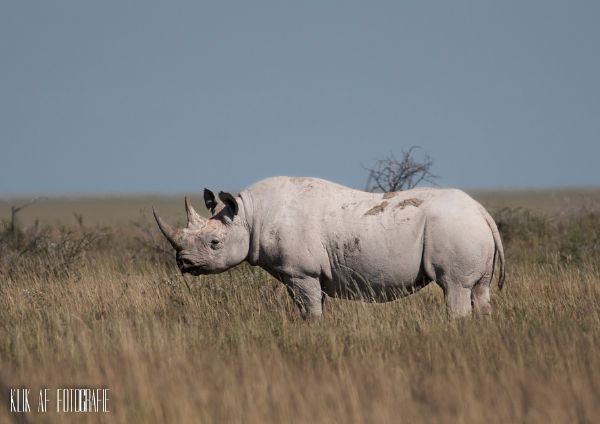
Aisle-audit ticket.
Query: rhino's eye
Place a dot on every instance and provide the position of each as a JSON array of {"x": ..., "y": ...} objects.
[{"x": 215, "y": 244}]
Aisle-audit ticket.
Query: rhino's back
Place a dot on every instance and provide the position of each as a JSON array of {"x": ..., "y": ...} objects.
[
  {"x": 317, "y": 198},
  {"x": 288, "y": 190}
]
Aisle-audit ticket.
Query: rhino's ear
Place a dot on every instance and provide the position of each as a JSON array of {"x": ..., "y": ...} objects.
[
  {"x": 229, "y": 201},
  {"x": 209, "y": 200}
]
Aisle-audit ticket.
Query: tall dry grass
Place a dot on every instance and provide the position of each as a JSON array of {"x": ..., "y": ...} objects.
[{"x": 232, "y": 347}]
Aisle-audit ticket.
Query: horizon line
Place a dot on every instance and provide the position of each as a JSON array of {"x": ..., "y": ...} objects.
[{"x": 141, "y": 193}]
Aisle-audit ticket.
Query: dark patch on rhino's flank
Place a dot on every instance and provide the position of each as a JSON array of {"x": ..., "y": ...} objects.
[
  {"x": 348, "y": 205},
  {"x": 389, "y": 195},
  {"x": 409, "y": 202},
  {"x": 275, "y": 236},
  {"x": 352, "y": 246},
  {"x": 376, "y": 209}
]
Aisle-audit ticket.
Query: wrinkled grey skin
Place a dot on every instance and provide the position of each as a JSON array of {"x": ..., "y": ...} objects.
[{"x": 319, "y": 238}]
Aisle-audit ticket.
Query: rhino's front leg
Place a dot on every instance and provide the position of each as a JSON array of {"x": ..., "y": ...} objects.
[{"x": 307, "y": 295}]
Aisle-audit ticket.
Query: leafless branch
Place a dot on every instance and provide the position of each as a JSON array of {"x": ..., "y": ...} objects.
[
  {"x": 391, "y": 174},
  {"x": 14, "y": 210}
]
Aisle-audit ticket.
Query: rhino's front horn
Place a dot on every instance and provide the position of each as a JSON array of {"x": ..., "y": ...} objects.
[
  {"x": 193, "y": 218},
  {"x": 173, "y": 235}
]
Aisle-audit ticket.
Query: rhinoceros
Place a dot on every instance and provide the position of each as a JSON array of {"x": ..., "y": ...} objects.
[{"x": 322, "y": 239}]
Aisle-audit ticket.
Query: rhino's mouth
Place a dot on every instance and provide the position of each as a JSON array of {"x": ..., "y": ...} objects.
[
  {"x": 194, "y": 270},
  {"x": 198, "y": 270}
]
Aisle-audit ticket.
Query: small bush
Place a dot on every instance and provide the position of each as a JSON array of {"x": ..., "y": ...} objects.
[
  {"x": 48, "y": 251},
  {"x": 520, "y": 224},
  {"x": 579, "y": 238},
  {"x": 527, "y": 236}
]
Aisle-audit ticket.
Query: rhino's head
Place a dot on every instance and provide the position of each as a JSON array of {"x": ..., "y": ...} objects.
[{"x": 213, "y": 245}]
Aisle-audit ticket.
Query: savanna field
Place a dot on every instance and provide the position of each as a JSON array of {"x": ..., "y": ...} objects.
[{"x": 90, "y": 296}]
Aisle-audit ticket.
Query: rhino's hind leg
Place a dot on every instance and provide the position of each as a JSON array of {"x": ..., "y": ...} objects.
[
  {"x": 458, "y": 300},
  {"x": 307, "y": 295},
  {"x": 480, "y": 296}
]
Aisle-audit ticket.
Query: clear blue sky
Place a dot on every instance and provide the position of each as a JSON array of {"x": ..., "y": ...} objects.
[{"x": 140, "y": 96}]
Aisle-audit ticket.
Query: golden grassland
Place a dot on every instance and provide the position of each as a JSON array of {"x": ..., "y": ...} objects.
[{"x": 103, "y": 306}]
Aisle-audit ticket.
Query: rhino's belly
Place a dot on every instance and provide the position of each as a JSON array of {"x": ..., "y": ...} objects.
[{"x": 382, "y": 286}]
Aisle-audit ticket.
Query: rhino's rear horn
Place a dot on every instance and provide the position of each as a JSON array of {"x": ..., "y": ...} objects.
[
  {"x": 173, "y": 235},
  {"x": 193, "y": 218}
]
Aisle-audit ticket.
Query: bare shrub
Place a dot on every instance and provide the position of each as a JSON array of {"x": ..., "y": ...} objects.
[
  {"x": 391, "y": 174},
  {"x": 55, "y": 251},
  {"x": 49, "y": 252}
]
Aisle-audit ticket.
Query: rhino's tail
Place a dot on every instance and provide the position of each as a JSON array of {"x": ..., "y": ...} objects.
[{"x": 499, "y": 253}]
